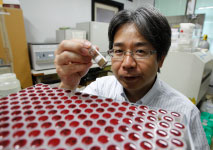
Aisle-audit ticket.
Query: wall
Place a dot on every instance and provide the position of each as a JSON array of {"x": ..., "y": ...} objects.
[
  {"x": 208, "y": 22},
  {"x": 171, "y": 7},
  {"x": 43, "y": 17}
]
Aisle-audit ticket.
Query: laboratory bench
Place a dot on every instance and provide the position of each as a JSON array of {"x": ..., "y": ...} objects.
[
  {"x": 50, "y": 76},
  {"x": 38, "y": 76}
]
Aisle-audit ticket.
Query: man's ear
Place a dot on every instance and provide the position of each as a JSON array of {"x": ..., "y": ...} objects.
[{"x": 160, "y": 63}]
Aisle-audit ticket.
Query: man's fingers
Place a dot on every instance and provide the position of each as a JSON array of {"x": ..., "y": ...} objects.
[
  {"x": 67, "y": 70},
  {"x": 77, "y": 46},
  {"x": 66, "y": 57}
]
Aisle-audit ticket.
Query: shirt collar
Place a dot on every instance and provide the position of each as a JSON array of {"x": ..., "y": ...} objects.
[{"x": 148, "y": 97}]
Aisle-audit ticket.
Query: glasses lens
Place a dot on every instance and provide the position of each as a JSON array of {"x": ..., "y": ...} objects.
[{"x": 138, "y": 54}]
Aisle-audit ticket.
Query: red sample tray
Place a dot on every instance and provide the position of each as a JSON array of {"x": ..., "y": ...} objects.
[{"x": 45, "y": 118}]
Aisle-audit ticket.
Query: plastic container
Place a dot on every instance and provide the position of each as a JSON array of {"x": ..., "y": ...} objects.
[
  {"x": 186, "y": 31},
  {"x": 185, "y": 36},
  {"x": 187, "y": 27},
  {"x": 204, "y": 44},
  {"x": 9, "y": 84}
]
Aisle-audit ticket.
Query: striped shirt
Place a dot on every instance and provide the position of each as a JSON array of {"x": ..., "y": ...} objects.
[{"x": 160, "y": 95}]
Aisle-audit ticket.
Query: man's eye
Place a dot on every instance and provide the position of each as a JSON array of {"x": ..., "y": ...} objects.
[
  {"x": 141, "y": 52},
  {"x": 118, "y": 51}
]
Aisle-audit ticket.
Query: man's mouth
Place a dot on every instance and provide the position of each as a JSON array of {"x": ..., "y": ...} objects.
[{"x": 130, "y": 78}]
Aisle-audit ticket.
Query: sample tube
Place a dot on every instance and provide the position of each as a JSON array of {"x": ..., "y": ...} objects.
[{"x": 97, "y": 57}]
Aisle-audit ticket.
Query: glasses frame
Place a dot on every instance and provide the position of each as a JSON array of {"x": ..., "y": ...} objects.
[{"x": 151, "y": 52}]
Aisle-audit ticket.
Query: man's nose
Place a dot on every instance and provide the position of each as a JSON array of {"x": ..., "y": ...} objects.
[{"x": 128, "y": 61}]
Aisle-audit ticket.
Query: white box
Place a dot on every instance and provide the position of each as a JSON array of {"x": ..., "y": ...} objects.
[{"x": 69, "y": 34}]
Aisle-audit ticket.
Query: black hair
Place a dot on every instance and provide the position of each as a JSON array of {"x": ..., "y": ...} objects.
[{"x": 150, "y": 23}]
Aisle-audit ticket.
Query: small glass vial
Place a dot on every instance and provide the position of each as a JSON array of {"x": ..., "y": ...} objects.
[{"x": 97, "y": 57}]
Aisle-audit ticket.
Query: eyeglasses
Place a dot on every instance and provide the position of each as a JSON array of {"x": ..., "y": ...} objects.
[{"x": 137, "y": 54}]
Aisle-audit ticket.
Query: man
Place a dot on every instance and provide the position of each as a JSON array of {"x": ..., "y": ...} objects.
[{"x": 139, "y": 42}]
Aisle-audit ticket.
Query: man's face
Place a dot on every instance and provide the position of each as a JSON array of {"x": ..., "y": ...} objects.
[{"x": 134, "y": 75}]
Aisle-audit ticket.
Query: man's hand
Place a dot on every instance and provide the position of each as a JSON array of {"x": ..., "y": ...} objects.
[{"x": 72, "y": 62}]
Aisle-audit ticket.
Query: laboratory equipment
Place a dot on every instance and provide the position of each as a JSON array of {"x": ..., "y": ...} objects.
[
  {"x": 97, "y": 34},
  {"x": 188, "y": 73},
  {"x": 41, "y": 117},
  {"x": 42, "y": 55},
  {"x": 67, "y": 34}
]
